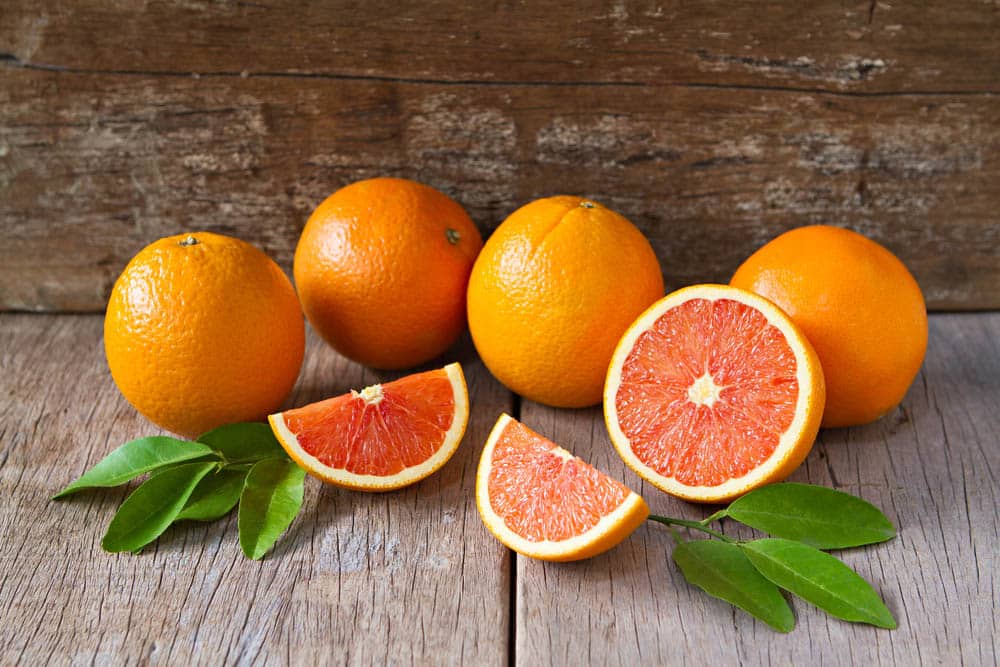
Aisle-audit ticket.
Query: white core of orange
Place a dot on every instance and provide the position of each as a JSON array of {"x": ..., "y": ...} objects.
[
  {"x": 370, "y": 395},
  {"x": 704, "y": 391}
]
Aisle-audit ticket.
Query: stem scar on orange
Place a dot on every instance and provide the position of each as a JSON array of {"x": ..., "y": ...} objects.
[
  {"x": 203, "y": 330},
  {"x": 859, "y": 307},
  {"x": 382, "y": 267}
]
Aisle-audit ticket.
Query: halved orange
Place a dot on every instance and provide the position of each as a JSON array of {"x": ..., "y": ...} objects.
[
  {"x": 383, "y": 437},
  {"x": 712, "y": 392},
  {"x": 545, "y": 503}
]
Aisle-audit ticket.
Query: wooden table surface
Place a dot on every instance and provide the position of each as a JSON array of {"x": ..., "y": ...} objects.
[
  {"x": 713, "y": 126},
  {"x": 413, "y": 577}
]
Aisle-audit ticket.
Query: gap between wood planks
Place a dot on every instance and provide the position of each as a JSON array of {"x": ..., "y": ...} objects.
[{"x": 12, "y": 60}]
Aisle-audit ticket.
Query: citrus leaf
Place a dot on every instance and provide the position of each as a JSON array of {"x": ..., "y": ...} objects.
[
  {"x": 723, "y": 571},
  {"x": 246, "y": 441},
  {"x": 819, "y": 578},
  {"x": 214, "y": 496},
  {"x": 153, "y": 506},
  {"x": 272, "y": 496},
  {"x": 135, "y": 458},
  {"x": 821, "y": 517}
]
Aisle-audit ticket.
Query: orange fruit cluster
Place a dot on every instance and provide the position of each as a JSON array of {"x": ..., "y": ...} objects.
[{"x": 708, "y": 392}]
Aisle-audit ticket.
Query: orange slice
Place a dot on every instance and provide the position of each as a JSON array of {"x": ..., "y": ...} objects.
[
  {"x": 383, "y": 437},
  {"x": 712, "y": 392},
  {"x": 543, "y": 502}
]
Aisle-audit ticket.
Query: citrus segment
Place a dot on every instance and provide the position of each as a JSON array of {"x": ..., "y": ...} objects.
[
  {"x": 713, "y": 391},
  {"x": 383, "y": 437},
  {"x": 543, "y": 502}
]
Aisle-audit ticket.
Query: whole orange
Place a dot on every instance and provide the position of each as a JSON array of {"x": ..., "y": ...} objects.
[
  {"x": 203, "y": 330},
  {"x": 381, "y": 268},
  {"x": 859, "y": 307},
  {"x": 555, "y": 287}
]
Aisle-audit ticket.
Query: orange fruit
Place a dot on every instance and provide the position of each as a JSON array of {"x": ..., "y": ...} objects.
[
  {"x": 545, "y": 503},
  {"x": 383, "y": 437},
  {"x": 381, "y": 268},
  {"x": 713, "y": 392},
  {"x": 203, "y": 330},
  {"x": 858, "y": 305},
  {"x": 553, "y": 290}
]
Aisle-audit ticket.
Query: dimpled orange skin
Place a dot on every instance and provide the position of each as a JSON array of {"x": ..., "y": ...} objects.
[
  {"x": 204, "y": 333},
  {"x": 381, "y": 269},
  {"x": 857, "y": 304},
  {"x": 553, "y": 290}
]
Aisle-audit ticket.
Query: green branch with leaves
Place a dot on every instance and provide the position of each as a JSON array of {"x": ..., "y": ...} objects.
[
  {"x": 239, "y": 464},
  {"x": 804, "y": 522}
]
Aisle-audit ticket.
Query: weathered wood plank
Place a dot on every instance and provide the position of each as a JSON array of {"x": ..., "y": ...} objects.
[
  {"x": 403, "y": 577},
  {"x": 862, "y": 45},
  {"x": 932, "y": 466},
  {"x": 95, "y": 166}
]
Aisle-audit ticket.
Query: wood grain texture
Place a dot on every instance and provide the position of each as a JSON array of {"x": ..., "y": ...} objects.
[
  {"x": 864, "y": 46},
  {"x": 713, "y": 126},
  {"x": 932, "y": 466},
  {"x": 404, "y": 577}
]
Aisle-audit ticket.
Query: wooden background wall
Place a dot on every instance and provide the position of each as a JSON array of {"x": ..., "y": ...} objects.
[{"x": 712, "y": 125}]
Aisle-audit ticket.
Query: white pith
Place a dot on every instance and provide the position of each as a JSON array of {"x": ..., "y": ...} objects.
[
  {"x": 704, "y": 391},
  {"x": 371, "y": 395},
  {"x": 544, "y": 549},
  {"x": 786, "y": 443},
  {"x": 452, "y": 438}
]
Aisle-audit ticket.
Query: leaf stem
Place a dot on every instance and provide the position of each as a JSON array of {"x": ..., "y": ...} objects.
[
  {"x": 721, "y": 514},
  {"x": 696, "y": 525}
]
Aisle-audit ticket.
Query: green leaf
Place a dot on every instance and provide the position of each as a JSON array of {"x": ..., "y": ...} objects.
[
  {"x": 821, "y": 517},
  {"x": 135, "y": 458},
  {"x": 819, "y": 578},
  {"x": 153, "y": 506},
  {"x": 723, "y": 571},
  {"x": 247, "y": 441},
  {"x": 214, "y": 496},
  {"x": 271, "y": 498}
]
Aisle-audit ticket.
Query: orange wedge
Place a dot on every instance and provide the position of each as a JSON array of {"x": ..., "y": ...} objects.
[
  {"x": 383, "y": 437},
  {"x": 712, "y": 392},
  {"x": 545, "y": 503}
]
